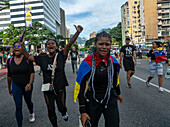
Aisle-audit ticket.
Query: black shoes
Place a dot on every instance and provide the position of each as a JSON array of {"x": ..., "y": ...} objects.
[{"x": 129, "y": 85}]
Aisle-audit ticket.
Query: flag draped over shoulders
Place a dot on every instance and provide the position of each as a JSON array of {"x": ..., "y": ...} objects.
[
  {"x": 160, "y": 56},
  {"x": 86, "y": 67}
]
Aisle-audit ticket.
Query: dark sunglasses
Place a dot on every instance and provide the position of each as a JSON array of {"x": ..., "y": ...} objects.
[{"x": 15, "y": 46}]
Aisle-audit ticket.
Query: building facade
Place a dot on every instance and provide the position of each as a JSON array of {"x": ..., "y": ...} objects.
[
  {"x": 93, "y": 35},
  {"x": 151, "y": 27},
  {"x": 134, "y": 21},
  {"x": 163, "y": 9},
  {"x": 126, "y": 30},
  {"x": 62, "y": 26},
  {"x": 46, "y": 12},
  {"x": 4, "y": 19}
]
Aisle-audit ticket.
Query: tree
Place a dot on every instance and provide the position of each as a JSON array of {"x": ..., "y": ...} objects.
[
  {"x": 89, "y": 42},
  {"x": 34, "y": 35},
  {"x": 1, "y": 36},
  {"x": 11, "y": 35},
  {"x": 115, "y": 33}
]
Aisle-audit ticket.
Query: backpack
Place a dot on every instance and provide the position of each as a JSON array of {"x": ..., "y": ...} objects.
[{"x": 13, "y": 57}]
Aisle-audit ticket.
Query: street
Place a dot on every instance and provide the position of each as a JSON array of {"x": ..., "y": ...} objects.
[{"x": 142, "y": 106}]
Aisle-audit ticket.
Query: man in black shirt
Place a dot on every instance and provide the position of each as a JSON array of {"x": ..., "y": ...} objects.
[
  {"x": 128, "y": 52},
  {"x": 73, "y": 54}
]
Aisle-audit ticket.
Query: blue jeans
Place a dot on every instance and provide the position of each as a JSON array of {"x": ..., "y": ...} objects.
[{"x": 17, "y": 95}]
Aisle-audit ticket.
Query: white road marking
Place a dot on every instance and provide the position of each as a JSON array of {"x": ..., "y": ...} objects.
[
  {"x": 2, "y": 78},
  {"x": 80, "y": 125},
  {"x": 151, "y": 83}
]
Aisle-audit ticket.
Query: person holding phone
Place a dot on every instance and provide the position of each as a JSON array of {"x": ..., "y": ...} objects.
[
  {"x": 97, "y": 85},
  {"x": 57, "y": 95}
]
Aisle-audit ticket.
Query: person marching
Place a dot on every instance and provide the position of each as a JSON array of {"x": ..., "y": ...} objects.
[
  {"x": 157, "y": 56},
  {"x": 128, "y": 53},
  {"x": 100, "y": 94},
  {"x": 59, "y": 81},
  {"x": 21, "y": 76},
  {"x": 74, "y": 54}
]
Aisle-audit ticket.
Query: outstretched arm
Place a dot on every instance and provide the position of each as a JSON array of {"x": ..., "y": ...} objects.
[
  {"x": 73, "y": 39},
  {"x": 25, "y": 52}
]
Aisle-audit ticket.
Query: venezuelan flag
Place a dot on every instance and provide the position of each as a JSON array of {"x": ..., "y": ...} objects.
[
  {"x": 160, "y": 56},
  {"x": 86, "y": 67}
]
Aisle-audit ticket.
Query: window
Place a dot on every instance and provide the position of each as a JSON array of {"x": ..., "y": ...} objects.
[
  {"x": 135, "y": 2},
  {"x": 5, "y": 19},
  {"x": 134, "y": 12},
  {"x": 159, "y": 14},
  {"x": 134, "y": 21},
  {"x": 134, "y": 26}
]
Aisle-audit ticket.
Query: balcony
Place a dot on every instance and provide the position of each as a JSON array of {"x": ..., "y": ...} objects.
[
  {"x": 159, "y": 23},
  {"x": 159, "y": 11},
  {"x": 159, "y": 17}
]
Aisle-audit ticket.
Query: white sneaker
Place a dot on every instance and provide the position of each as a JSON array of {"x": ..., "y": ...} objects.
[
  {"x": 31, "y": 117},
  {"x": 65, "y": 117},
  {"x": 161, "y": 89}
]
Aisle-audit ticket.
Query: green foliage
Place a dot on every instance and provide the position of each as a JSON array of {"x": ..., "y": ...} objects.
[
  {"x": 89, "y": 42},
  {"x": 116, "y": 34},
  {"x": 84, "y": 49},
  {"x": 34, "y": 35},
  {"x": 75, "y": 45}
]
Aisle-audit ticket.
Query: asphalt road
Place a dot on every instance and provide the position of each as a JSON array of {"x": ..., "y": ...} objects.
[{"x": 142, "y": 106}]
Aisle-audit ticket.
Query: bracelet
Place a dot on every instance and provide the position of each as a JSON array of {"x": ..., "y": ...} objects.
[{"x": 30, "y": 83}]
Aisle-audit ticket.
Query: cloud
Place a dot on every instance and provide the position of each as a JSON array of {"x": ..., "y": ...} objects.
[{"x": 93, "y": 15}]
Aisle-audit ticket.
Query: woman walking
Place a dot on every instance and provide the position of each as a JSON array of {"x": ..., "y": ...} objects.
[
  {"x": 100, "y": 94},
  {"x": 157, "y": 56},
  {"x": 21, "y": 76},
  {"x": 58, "y": 94}
]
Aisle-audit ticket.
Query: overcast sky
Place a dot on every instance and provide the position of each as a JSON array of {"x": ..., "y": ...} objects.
[{"x": 93, "y": 15}]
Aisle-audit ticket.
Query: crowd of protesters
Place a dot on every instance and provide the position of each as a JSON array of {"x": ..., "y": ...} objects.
[{"x": 97, "y": 84}]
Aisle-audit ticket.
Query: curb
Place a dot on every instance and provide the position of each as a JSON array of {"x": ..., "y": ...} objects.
[{"x": 3, "y": 73}]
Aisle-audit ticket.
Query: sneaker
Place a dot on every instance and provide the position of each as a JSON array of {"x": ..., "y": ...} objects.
[
  {"x": 147, "y": 84},
  {"x": 65, "y": 117},
  {"x": 31, "y": 117},
  {"x": 129, "y": 85},
  {"x": 161, "y": 89}
]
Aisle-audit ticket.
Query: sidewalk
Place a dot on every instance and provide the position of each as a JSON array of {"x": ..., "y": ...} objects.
[{"x": 3, "y": 71}]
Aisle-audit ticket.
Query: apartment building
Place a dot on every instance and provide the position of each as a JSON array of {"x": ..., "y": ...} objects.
[
  {"x": 134, "y": 21},
  {"x": 151, "y": 27},
  {"x": 126, "y": 30},
  {"x": 163, "y": 9},
  {"x": 46, "y": 12},
  {"x": 93, "y": 35}
]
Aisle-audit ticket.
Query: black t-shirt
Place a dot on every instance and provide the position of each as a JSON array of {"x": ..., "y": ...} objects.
[
  {"x": 20, "y": 73},
  {"x": 100, "y": 83},
  {"x": 151, "y": 55},
  {"x": 46, "y": 64},
  {"x": 73, "y": 55},
  {"x": 127, "y": 51}
]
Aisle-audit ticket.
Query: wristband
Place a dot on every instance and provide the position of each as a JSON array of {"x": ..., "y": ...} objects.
[{"x": 30, "y": 83}]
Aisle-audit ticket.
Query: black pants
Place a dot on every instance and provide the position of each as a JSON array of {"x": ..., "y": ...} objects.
[
  {"x": 74, "y": 64},
  {"x": 60, "y": 99},
  {"x": 95, "y": 110}
]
